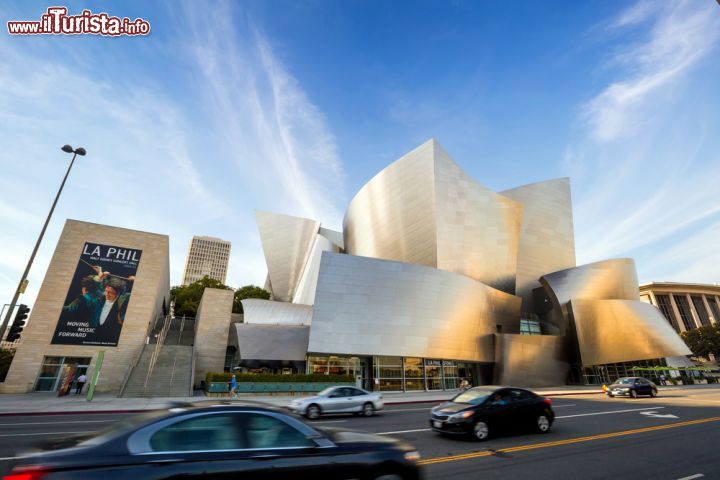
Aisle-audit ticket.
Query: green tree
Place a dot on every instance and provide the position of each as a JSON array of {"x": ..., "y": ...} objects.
[
  {"x": 248, "y": 291},
  {"x": 187, "y": 298},
  {"x": 6, "y": 357},
  {"x": 703, "y": 341}
]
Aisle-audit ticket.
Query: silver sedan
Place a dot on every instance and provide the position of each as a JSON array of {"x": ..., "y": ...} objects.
[{"x": 338, "y": 400}]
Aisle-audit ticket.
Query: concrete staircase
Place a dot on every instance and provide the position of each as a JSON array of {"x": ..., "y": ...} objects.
[{"x": 171, "y": 376}]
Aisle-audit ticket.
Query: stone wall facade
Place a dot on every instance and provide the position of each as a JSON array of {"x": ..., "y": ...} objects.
[
  {"x": 211, "y": 332},
  {"x": 150, "y": 289}
]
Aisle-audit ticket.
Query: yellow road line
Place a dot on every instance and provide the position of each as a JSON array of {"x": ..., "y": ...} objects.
[{"x": 532, "y": 446}]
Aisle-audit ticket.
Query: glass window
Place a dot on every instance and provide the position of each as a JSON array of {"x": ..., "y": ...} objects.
[
  {"x": 433, "y": 375},
  {"x": 206, "y": 432},
  {"x": 684, "y": 310},
  {"x": 264, "y": 431},
  {"x": 666, "y": 309},
  {"x": 700, "y": 309},
  {"x": 518, "y": 395},
  {"x": 414, "y": 378},
  {"x": 714, "y": 308},
  {"x": 530, "y": 327}
]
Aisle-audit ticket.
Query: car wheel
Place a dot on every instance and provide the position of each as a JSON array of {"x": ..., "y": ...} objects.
[
  {"x": 633, "y": 393},
  {"x": 543, "y": 424},
  {"x": 368, "y": 410},
  {"x": 312, "y": 412},
  {"x": 611, "y": 395},
  {"x": 653, "y": 393},
  {"x": 481, "y": 431}
]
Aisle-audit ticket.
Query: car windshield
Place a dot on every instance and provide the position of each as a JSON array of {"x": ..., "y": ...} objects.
[
  {"x": 326, "y": 392},
  {"x": 625, "y": 381},
  {"x": 122, "y": 426},
  {"x": 473, "y": 396}
]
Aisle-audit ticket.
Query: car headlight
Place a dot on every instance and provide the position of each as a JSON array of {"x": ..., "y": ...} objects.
[
  {"x": 459, "y": 417},
  {"x": 413, "y": 456}
]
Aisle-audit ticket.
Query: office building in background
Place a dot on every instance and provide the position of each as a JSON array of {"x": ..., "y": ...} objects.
[{"x": 206, "y": 256}]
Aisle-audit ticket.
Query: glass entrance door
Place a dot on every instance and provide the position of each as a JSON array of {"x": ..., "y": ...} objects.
[{"x": 52, "y": 370}]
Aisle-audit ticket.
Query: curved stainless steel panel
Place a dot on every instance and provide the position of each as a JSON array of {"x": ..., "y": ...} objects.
[
  {"x": 531, "y": 360},
  {"x": 547, "y": 241},
  {"x": 365, "y": 306},
  {"x": 305, "y": 291},
  {"x": 478, "y": 230},
  {"x": 611, "y": 331},
  {"x": 267, "y": 312},
  {"x": 393, "y": 215},
  {"x": 605, "y": 280},
  {"x": 424, "y": 209},
  {"x": 270, "y": 342},
  {"x": 286, "y": 242}
]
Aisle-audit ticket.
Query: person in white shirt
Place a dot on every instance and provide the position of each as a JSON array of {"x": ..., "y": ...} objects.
[{"x": 80, "y": 383}]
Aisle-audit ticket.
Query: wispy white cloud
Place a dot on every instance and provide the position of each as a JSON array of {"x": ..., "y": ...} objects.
[
  {"x": 267, "y": 119},
  {"x": 684, "y": 33},
  {"x": 183, "y": 156},
  {"x": 643, "y": 168}
]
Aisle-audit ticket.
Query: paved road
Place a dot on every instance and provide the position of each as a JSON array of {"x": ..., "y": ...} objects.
[{"x": 674, "y": 436}]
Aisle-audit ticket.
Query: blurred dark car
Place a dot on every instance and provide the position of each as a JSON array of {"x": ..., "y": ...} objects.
[
  {"x": 632, "y": 387},
  {"x": 483, "y": 411},
  {"x": 236, "y": 440}
]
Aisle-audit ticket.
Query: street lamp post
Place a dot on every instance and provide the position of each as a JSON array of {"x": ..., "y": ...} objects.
[{"x": 67, "y": 149}]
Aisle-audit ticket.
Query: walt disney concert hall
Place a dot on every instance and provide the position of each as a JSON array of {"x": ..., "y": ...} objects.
[{"x": 435, "y": 278}]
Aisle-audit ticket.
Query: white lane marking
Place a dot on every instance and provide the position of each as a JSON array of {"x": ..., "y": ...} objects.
[
  {"x": 606, "y": 413},
  {"x": 697, "y": 475},
  {"x": 45, "y": 433},
  {"x": 657, "y": 415},
  {"x": 330, "y": 421},
  {"x": 54, "y": 423},
  {"x": 403, "y": 431},
  {"x": 7, "y": 458},
  {"x": 561, "y": 406}
]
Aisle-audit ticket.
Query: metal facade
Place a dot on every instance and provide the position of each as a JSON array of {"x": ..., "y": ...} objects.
[
  {"x": 365, "y": 306},
  {"x": 286, "y": 241},
  {"x": 612, "y": 331}
]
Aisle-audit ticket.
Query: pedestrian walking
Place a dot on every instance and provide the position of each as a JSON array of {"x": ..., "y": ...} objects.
[
  {"x": 233, "y": 387},
  {"x": 662, "y": 379},
  {"x": 80, "y": 383},
  {"x": 464, "y": 384}
]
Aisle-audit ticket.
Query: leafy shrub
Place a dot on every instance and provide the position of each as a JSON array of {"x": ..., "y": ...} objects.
[{"x": 261, "y": 377}]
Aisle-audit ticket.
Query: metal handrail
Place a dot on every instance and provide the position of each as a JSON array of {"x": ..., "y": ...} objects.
[
  {"x": 172, "y": 374},
  {"x": 131, "y": 367},
  {"x": 158, "y": 346}
]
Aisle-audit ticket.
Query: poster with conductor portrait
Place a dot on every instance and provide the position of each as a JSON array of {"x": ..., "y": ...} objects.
[{"x": 94, "y": 309}]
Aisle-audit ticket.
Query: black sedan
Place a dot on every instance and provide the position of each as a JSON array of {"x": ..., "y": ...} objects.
[
  {"x": 482, "y": 411},
  {"x": 632, "y": 387},
  {"x": 230, "y": 441}
]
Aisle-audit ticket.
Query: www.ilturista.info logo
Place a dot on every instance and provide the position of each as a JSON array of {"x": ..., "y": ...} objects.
[{"x": 57, "y": 22}]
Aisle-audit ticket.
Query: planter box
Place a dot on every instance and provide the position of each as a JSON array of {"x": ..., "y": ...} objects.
[{"x": 220, "y": 389}]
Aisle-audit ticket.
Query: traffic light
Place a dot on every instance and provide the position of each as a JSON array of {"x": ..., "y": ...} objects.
[{"x": 18, "y": 323}]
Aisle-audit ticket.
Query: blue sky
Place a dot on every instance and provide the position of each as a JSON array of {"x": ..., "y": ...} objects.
[{"x": 291, "y": 106}]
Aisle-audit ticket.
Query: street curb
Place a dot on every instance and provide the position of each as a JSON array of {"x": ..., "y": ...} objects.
[{"x": 116, "y": 411}]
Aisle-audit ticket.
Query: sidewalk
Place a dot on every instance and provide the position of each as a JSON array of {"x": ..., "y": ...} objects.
[{"x": 40, "y": 403}]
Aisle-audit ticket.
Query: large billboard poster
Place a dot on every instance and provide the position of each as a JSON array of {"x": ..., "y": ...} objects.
[{"x": 95, "y": 306}]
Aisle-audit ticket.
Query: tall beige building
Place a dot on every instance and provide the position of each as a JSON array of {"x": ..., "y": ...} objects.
[{"x": 206, "y": 256}]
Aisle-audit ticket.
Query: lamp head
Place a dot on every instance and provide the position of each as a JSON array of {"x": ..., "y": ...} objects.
[
  {"x": 80, "y": 151},
  {"x": 67, "y": 149}
]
